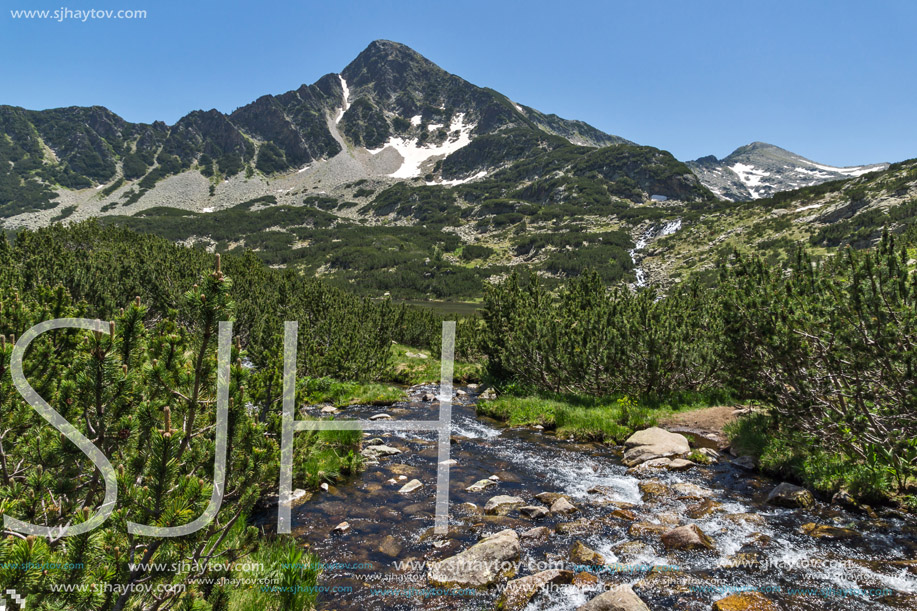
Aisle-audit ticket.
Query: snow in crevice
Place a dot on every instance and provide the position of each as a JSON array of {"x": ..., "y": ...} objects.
[
  {"x": 346, "y": 101},
  {"x": 414, "y": 154},
  {"x": 460, "y": 181},
  {"x": 751, "y": 177},
  {"x": 809, "y": 207},
  {"x": 416, "y": 119}
]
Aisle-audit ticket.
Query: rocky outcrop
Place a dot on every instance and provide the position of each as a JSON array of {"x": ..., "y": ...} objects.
[{"x": 481, "y": 564}]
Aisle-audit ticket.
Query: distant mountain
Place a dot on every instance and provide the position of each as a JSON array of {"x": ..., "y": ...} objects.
[{"x": 759, "y": 170}]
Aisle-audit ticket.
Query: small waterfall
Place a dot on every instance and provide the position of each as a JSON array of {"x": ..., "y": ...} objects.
[{"x": 648, "y": 236}]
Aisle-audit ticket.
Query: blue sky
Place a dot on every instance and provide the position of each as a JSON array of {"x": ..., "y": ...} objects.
[{"x": 835, "y": 81}]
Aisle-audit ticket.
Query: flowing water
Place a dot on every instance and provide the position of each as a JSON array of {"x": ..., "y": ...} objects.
[{"x": 377, "y": 564}]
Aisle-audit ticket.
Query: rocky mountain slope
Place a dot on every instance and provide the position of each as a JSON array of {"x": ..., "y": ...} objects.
[{"x": 760, "y": 170}]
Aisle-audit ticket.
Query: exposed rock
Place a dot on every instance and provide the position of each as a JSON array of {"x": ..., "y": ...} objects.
[
  {"x": 653, "y": 489},
  {"x": 411, "y": 486},
  {"x": 580, "y": 554},
  {"x": 844, "y": 499},
  {"x": 831, "y": 533},
  {"x": 427, "y": 398},
  {"x": 502, "y": 505},
  {"x": 788, "y": 495},
  {"x": 680, "y": 464},
  {"x": 713, "y": 455},
  {"x": 561, "y": 506},
  {"x": 480, "y": 485},
  {"x": 535, "y": 512},
  {"x": 633, "y": 549},
  {"x": 548, "y": 498},
  {"x": 624, "y": 514},
  {"x": 583, "y": 580},
  {"x": 688, "y": 537},
  {"x": 380, "y": 417},
  {"x": 746, "y": 462},
  {"x": 639, "y": 529},
  {"x": 576, "y": 527},
  {"x": 539, "y": 532},
  {"x": 378, "y": 451},
  {"x": 686, "y": 490},
  {"x": 701, "y": 438},
  {"x": 745, "y": 601},
  {"x": 653, "y": 443},
  {"x": 519, "y": 592},
  {"x": 340, "y": 528},
  {"x": 375, "y": 441},
  {"x": 329, "y": 409},
  {"x": 622, "y": 598},
  {"x": 488, "y": 394},
  {"x": 480, "y": 565}
]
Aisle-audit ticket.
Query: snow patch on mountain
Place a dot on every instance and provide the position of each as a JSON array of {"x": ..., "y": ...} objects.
[
  {"x": 751, "y": 177},
  {"x": 414, "y": 155}
]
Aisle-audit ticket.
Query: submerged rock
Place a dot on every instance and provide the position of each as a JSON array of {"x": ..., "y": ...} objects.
[
  {"x": 788, "y": 495},
  {"x": 830, "y": 533},
  {"x": 519, "y": 592},
  {"x": 481, "y": 564},
  {"x": 689, "y": 537},
  {"x": 622, "y": 598}
]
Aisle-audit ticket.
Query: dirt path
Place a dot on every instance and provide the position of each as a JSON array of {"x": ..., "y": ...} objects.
[{"x": 711, "y": 419}]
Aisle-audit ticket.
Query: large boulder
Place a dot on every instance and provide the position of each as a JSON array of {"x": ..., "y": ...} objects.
[
  {"x": 519, "y": 592},
  {"x": 481, "y": 564},
  {"x": 502, "y": 505},
  {"x": 788, "y": 495},
  {"x": 688, "y": 537},
  {"x": 622, "y": 598},
  {"x": 654, "y": 443}
]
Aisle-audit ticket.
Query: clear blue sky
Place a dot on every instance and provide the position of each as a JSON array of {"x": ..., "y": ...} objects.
[{"x": 835, "y": 81}]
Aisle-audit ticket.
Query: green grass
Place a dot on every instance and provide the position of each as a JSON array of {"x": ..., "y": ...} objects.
[
  {"x": 792, "y": 455},
  {"x": 572, "y": 416},
  {"x": 409, "y": 368},
  {"x": 281, "y": 562},
  {"x": 342, "y": 394}
]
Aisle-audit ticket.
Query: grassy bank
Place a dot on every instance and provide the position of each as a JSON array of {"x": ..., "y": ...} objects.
[
  {"x": 791, "y": 455},
  {"x": 341, "y": 394},
  {"x": 415, "y": 366}
]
